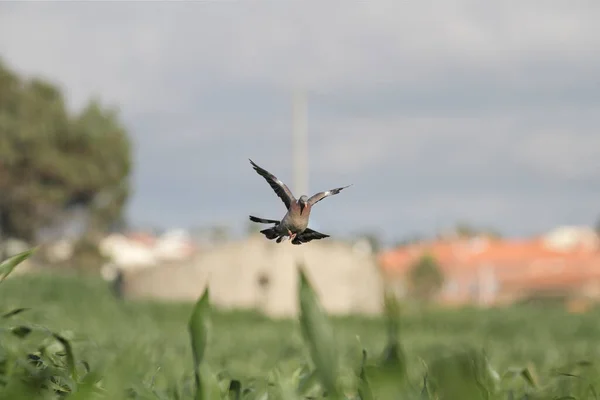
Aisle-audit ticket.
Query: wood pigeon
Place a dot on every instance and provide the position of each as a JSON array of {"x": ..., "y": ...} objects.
[{"x": 295, "y": 222}]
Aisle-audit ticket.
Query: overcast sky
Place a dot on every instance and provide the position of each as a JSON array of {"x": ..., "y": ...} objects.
[{"x": 467, "y": 110}]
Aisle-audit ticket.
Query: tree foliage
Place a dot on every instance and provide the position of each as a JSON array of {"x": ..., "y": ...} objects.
[
  {"x": 52, "y": 161},
  {"x": 426, "y": 278}
]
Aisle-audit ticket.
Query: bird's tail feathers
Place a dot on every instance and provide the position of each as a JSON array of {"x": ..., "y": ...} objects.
[
  {"x": 270, "y": 233},
  {"x": 263, "y": 220}
]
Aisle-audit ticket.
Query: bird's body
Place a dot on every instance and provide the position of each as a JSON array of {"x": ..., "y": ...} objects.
[
  {"x": 294, "y": 223},
  {"x": 296, "y": 220}
]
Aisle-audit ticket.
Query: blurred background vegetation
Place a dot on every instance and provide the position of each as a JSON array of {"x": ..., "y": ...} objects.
[{"x": 60, "y": 174}]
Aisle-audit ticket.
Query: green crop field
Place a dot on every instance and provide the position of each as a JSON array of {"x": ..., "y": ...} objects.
[{"x": 144, "y": 350}]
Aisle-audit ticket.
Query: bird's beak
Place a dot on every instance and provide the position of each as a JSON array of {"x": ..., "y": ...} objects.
[{"x": 302, "y": 205}]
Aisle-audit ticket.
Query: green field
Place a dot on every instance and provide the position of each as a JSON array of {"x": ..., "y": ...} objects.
[{"x": 143, "y": 350}]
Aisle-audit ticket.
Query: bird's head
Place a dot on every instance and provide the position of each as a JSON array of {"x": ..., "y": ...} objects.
[{"x": 303, "y": 202}]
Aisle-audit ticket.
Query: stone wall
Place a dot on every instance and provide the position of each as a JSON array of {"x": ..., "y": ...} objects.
[{"x": 260, "y": 274}]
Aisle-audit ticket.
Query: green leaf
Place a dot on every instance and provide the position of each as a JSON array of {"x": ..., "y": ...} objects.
[
  {"x": 14, "y": 312},
  {"x": 199, "y": 328},
  {"x": 364, "y": 390},
  {"x": 7, "y": 266},
  {"x": 528, "y": 375},
  {"x": 235, "y": 390},
  {"x": 524, "y": 373},
  {"x": 70, "y": 356},
  {"x": 393, "y": 357},
  {"x": 21, "y": 331},
  {"x": 318, "y": 335}
]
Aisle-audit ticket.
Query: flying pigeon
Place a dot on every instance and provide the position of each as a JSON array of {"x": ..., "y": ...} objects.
[{"x": 295, "y": 222}]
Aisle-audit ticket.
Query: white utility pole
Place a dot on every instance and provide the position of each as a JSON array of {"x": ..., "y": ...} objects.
[{"x": 300, "y": 143}]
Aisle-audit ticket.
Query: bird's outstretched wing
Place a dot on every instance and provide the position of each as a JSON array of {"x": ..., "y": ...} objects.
[
  {"x": 263, "y": 220},
  {"x": 321, "y": 195},
  {"x": 307, "y": 236},
  {"x": 279, "y": 187}
]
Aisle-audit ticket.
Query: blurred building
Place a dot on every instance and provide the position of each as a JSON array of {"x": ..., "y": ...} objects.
[
  {"x": 488, "y": 271},
  {"x": 255, "y": 273},
  {"x": 139, "y": 250}
]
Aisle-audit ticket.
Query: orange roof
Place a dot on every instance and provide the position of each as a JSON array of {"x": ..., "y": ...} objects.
[
  {"x": 515, "y": 264},
  {"x": 464, "y": 254}
]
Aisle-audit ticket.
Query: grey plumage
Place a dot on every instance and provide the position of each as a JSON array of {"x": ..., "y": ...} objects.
[{"x": 295, "y": 222}]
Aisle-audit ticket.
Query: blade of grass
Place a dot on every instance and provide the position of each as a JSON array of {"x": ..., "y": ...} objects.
[
  {"x": 364, "y": 390},
  {"x": 235, "y": 390},
  {"x": 70, "y": 356},
  {"x": 199, "y": 329},
  {"x": 318, "y": 334},
  {"x": 15, "y": 312},
  {"x": 21, "y": 331},
  {"x": 7, "y": 266}
]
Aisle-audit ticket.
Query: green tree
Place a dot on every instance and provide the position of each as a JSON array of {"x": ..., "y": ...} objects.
[
  {"x": 425, "y": 278},
  {"x": 53, "y": 162}
]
